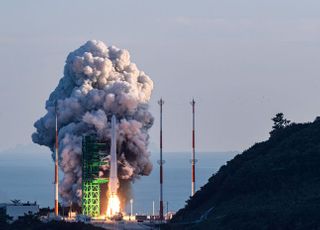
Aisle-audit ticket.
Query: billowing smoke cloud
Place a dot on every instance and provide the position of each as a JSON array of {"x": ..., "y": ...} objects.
[{"x": 98, "y": 81}]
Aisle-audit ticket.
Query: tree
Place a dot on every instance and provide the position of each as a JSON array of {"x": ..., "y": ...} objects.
[
  {"x": 279, "y": 122},
  {"x": 29, "y": 219},
  {"x": 4, "y": 219}
]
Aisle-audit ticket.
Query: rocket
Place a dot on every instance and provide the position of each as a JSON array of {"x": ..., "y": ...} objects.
[
  {"x": 113, "y": 178},
  {"x": 113, "y": 199},
  {"x": 56, "y": 175}
]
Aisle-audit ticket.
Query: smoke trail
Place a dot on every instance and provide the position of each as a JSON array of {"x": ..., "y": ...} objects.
[{"x": 98, "y": 81}]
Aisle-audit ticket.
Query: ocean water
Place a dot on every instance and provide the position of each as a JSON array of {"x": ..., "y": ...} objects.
[{"x": 28, "y": 176}]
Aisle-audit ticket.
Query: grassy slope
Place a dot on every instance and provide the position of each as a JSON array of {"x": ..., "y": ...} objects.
[{"x": 273, "y": 185}]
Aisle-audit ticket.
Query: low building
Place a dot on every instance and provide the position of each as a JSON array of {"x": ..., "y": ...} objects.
[{"x": 17, "y": 209}]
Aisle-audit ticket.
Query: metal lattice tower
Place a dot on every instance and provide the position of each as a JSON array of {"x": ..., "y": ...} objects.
[
  {"x": 92, "y": 153},
  {"x": 193, "y": 160},
  {"x": 161, "y": 162}
]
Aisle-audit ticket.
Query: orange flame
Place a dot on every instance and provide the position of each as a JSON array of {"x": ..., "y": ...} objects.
[{"x": 113, "y": 205}]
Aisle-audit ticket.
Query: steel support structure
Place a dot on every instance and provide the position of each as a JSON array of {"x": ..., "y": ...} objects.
[{"x": 91, "y": 162}]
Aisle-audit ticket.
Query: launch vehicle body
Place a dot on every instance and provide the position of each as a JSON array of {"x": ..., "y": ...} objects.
[{"x": 113, "y": 178}]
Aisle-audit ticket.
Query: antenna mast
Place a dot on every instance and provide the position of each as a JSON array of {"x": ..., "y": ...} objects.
[
  {"x": 193, "y": 161},
  {"x": 161, "y": 162}
]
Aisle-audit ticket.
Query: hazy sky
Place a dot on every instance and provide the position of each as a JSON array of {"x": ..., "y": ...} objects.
[{"x": 241, "y": 60}]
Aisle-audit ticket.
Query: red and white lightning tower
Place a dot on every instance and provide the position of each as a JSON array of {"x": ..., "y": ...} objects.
[
  {"x": 56, "y": 176},
  {"x": 161, "y": 102},
  {"x": 193, "y": 160}
]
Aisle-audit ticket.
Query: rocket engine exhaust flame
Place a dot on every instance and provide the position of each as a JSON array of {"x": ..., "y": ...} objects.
[
  {"x": 99, "y": 81},
  {"x": 113, "y": 205}
]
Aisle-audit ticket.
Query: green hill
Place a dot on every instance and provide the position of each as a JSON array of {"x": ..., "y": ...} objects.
[{"x": 273, "y": 185}]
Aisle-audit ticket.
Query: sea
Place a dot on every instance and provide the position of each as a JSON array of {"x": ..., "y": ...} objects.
[{"x": 27, "y": 175}]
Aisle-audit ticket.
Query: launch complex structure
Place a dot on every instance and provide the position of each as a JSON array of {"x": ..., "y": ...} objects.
[
  {"x": 94, "y": 155},
  {"x": 93, "y": 152}
]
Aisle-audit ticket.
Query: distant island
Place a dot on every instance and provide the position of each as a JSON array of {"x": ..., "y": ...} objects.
[{"x": 274, "y": 184}]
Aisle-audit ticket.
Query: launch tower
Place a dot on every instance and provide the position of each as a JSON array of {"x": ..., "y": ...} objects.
[{"x": 92, "y": 153}]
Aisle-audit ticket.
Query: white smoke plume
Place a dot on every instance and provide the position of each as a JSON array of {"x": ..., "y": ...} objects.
[{"x": 98, "y": 81}]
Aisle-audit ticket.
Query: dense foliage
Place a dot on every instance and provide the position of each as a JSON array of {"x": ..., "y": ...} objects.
[
  {"x": 273, "y": 185},
  {"x": 32, "y": 222}
]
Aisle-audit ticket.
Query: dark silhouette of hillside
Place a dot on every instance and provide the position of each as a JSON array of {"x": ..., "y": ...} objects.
[{"x": 274, "y": 184}]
